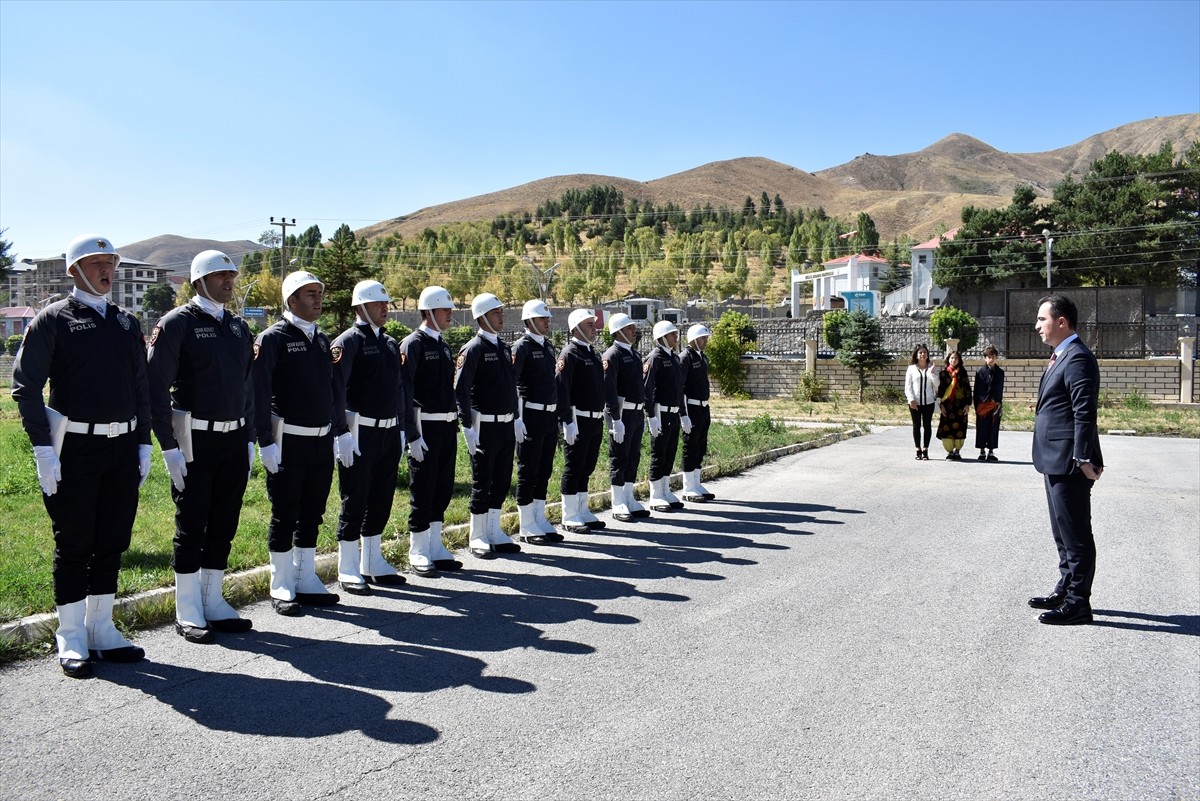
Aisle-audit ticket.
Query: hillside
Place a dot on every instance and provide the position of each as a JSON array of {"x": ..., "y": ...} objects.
[
  {"x": 176, "y": 252},
  {"x": 906, "y": 195}
]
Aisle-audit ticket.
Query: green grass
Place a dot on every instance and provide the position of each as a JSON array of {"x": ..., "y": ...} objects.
[{"x": 26, "y": 543}]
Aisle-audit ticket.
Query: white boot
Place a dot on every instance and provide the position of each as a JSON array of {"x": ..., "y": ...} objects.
[
  {"x": 189, "y": 609},
  {"x": 631, "y": 502},
  {"x": 479, "y": 543},
  {"x": 104, "y": 641},
  {"x": 283, "y": 583},
  {"x": 704, "y": 493},
  {"x": 691, "y": 486},
  {"x": 443, "y": 559},
  {"x": 529, "y": 529},
  {"x": 620, "y": 507},
  {"x": 372, "y": 566},
  {"x": 309, "y": 588},
  {"x": 349, "y": 571},
  {"x": 217, "y": 611},
  {"x": 671, "y": 497},
  {"x": 419, "y": 557},
  {"x": 539, "y": 515},
  {"x": 660, "y": 497},
  {"x": 571, "y": 520},
  {"x": 71, "y": 639},
  {"x": 585, "y": 514},
  {"x": 501, "y": 542}
]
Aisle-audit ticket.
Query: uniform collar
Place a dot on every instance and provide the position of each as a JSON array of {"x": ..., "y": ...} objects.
[
  {"x": 97, "y": 303},
  {"x": 489, "y": 336},
  {"x": 209, "y": 307},
  {"x": 579, "y": 341},
  {"x": 624, "y": 345},
  {"x": 361, "y": 323},
  {"x": 429, "y": 331},
  {"x": 538, "y": 338},
  {"x": 309, "y": 329}
]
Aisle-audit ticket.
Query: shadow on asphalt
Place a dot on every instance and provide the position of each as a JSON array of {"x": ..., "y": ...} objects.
[
  {"x": 1165, "y": 624},
  {"x": 249, "y": 705}
]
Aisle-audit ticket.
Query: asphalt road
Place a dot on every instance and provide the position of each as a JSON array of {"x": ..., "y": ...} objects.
[{"x": 845, "y": 623}]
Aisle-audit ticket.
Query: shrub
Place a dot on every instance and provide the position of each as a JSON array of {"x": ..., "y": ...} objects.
[
  {"x": 951, "y": 323},
  {"x": 810, "y": 388},
  {"x": 1135, "y": 400},
  {"x": 12, "y": 344},
  {"x": 457, "y": 336},
  {"x": 834, "y": 323},
  {"x": 396, "y": 329},
  {"x": 731, "y": 338},
  {"x": 885, "y": 394}
]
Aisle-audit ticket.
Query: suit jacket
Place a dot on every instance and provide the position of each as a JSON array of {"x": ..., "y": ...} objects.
[{"x": 1065, "y": 427}]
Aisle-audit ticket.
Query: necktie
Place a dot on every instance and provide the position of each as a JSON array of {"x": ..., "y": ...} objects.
[{"x": 1053, "y": 356}]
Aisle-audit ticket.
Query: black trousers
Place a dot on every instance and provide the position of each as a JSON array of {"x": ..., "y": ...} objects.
[
  {"x": 695, "y": 444},
  {"x": 368, "y": 487},
  {"x": 987, "y": 431},
  {"x": 431, "y": 481},
  {"x": 625, "y": 457},
  {"x": 299, "y": 491},
  {"x": 492, "y": 466},
  {"x": 1070, "y": 500},
  {"x": 535, "y": 456},
  {"x": 664, "y": 446},
  {"x": 92, "y": 514},
  {"x": 580, "y": 459},
  {"x": 922, "y": 416},
  {"x": 208, "y": 508}
]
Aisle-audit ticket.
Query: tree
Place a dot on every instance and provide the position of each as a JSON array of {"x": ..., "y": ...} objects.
[
  {"x": 862, "y": 347},
  {"x": 951, "y": 323},
  {"x": 866, "y": 240},
  {"x": 993, "y": 245},
  {"x": 340, "y": 267},
  {"x": 159, "y": 299},
  {"x": 6, "y": 257},
  {"x": 732, "y": 336}
]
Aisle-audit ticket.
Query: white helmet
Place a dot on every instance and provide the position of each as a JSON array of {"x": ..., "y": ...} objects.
[
  {"x": 483, "y": 303},
  {"x": 619, "y": 321},
  {"x": 578, "y": 316},
  {"x": 210, "y": 261},
  {"x": 434, "y": 297},
  {"x": 696, "y": 331},
  {"x": 368, "y": 292},
  {"x": 294, "y": 281},
  {"x": 664, "y": 327},
  {"x": 534, "y": 308},
  {"x": 89, "y": 245}
]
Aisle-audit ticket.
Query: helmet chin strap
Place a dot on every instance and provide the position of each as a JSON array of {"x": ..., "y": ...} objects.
[
  {"x": 432, "y": 321},
  {"x": 79, "y": 274},
  {"x": 204, "y": 290},
  {"x": 484, "y": 324}
]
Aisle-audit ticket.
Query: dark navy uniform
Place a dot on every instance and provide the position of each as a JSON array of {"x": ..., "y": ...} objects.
[
  {"x": 664, "y": 396},
  {"x": 368, "y": 381},
  {"x": 485, "y": 389},
  {"x": 625, "y": 399},
  {"x": 693, "y": 374},
  {"x": 96, "y": 367},
  {"x": 428, "y": 368},
  {"x": 293, "y": 381},
  {"x": 201, "y": 365},
  {"x": 533, "y": 368},
  {"x": 579, "y": 374}
]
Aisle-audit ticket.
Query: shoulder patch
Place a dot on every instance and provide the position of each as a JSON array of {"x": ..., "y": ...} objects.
[
  {"x": 154, "y": 335},
  {"x": 560, "y": 366},
  {"x": 605, "y": 361},
  {"x": 462, "y": 357},
  {"x": 646, "y": 368},
  {"x": 336, "y": 353},
  {"x": 256, "y": 349}
]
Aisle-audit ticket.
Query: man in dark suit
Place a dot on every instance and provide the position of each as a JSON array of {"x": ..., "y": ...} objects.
[{"x": 1066, "y": 451}]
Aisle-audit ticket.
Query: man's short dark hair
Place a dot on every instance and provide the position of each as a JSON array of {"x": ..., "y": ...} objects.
[
  {"x": 990, "y": 350},
  {"x": 1062, "y": 306}
]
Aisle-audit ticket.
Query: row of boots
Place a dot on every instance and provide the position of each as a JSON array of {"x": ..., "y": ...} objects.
[{"x": 86, "y": 633}]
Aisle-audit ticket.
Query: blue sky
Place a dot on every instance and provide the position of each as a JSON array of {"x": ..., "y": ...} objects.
[{"x": 205, "y": 118}]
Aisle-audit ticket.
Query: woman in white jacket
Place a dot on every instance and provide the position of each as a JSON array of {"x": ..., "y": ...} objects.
[{"x": 920, "y": 388}]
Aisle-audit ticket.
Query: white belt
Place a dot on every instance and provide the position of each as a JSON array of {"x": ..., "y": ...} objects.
[
  {"x": 495, "y": 418},
  {"x": 109, "y": 430},
  {"x": 692, "y": 402},
  {"x": 669, "y": 409},
  {"x": 582, "y": 413},
  {"x": 440, "y": 417},
  {"x": 219, "y": 426},
  {"x": 633, "y": 407},
  {"x": 377, "y": 422},
  {"x": 305, "y": 431},
  {"x": 541, "y": 407}
]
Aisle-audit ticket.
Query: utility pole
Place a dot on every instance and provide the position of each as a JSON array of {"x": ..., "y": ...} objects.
[
  {"x": 1049, "y": 245},
  {"x": 283, "y": 223}
]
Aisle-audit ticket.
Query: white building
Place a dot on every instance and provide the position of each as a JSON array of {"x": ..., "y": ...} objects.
[
  {"x": 855, "y": 273},
  {"x": 36, "y": 282},
  {"x": 921, "y": 292}
]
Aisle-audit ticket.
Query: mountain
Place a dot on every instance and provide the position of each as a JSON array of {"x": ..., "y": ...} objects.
[
  {"x": 906, "y": 195},
  {"x": 176, "y": 252}
]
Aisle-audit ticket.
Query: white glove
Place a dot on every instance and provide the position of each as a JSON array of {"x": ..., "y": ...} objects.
[
  {"x": 344, "y": 448},
  {"x": 144, "y": 452},
  {"x": 49, "y": 469},
  {"x": 417, "y": 449},
  {"x": 686, "y": 423},
  {"x": 250, "y": 452},
  {"x": 617, "y": 429},
  {"x": 403, "y": 441},
  {"x": 570, "y": 432},
  {"x": 269, "y": 456},
  {"x": 519, "y": 429},
  {"x": 176, "y": 466},
  {"x": 655, "y": 426},
  {"x": 471, "y": 437}
]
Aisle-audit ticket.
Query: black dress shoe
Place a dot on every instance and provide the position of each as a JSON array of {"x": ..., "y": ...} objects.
[
  {"x": 355, "y": 587},
  {"x": 194, "y": 633},
  {"x": 1052, "y": 601},
  {"x": 991, "y": 457},
  {"x": 317, "y": 598},
  {"x": 596, "y": 524},
  {"x": 232, "y": 625},
  {"x": 581, "y": 529},
  {"x": 285, "y": 608},
  {"x": 130, "y": 653},
  {"x": 537, "y": 539},
  {"x": 1071, "y": 613},
  {"x": 641, "y": 513},
  {"x": 483, "y": 553},
  {"x": 624, "y": 518},
  {"x": 447, "y": 564},
  {"x": 75, "y": 668},
  {"x": 554, "y": 536},
  {"x": 424, "y": 570},
  {"x": 506, "y": 547},
  {"x": 388, "y": 579}
]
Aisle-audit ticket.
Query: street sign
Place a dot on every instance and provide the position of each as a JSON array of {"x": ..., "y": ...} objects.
[
  {"x": 253, "y": 311},
  {"x": 868, "y": 301}
]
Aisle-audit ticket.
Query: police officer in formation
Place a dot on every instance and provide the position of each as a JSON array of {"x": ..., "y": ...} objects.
[
  {"x": 580, "y": 377},
  {"x": 428, "y": 369},
  {"x": 294, "y": 412},
  {"x": 537, "y": 404},
  {"x": 485, "y": 388},
  {"x": 202, "y": 401},
  {"x": 693, "y": 373},
  {"x": 664, "y": 399},
  {"x": 91, "y": 444},
  {"x": 370, "y": 401},
  {"x": 625, "y": 400}
]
